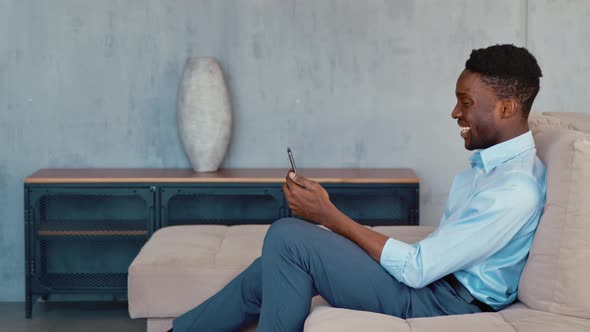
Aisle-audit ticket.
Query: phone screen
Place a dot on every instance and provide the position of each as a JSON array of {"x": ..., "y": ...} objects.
[{"x": 291, "y": 160}]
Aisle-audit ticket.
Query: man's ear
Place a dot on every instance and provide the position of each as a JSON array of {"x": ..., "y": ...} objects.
[{"x": 509, "y": 108}]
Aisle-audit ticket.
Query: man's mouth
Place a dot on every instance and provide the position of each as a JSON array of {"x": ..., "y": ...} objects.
[{"x": 464, "y": 131}]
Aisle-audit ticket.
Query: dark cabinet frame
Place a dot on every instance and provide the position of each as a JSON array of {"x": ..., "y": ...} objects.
[{"x": 89, "y": 222}]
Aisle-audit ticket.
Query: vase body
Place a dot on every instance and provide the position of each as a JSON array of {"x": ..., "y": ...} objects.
[{"x": 204, "y": 114}]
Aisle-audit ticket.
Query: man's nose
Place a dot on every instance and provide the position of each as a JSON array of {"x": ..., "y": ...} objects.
[{"x": 456, "y": 113}]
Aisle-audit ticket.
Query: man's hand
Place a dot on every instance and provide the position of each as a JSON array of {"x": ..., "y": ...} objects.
[{"x": 308, "y": 199}]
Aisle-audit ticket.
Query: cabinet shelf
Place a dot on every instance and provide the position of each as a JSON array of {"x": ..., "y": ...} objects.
[
  {"x": 93, "y": 233},
  {"x": 227, "y": 222},
  {"x": 92, "y": 228},
  {"x": 94, "y": 281}
]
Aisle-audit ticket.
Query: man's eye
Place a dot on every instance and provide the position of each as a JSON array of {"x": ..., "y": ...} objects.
[{"x": 465, "y": 102}]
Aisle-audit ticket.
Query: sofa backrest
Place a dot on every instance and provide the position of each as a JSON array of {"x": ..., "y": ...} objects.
[{"x": 555, "y": 278}]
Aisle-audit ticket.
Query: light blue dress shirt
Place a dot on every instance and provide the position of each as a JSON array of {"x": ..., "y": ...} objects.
[{"x": 486, "y": 231}]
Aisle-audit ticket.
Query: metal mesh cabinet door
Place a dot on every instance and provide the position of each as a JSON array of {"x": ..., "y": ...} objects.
[
  {"x": 84, "y": 239},
  {"x": 377, "y": 206},
  {"x": 220, "y": 205}
]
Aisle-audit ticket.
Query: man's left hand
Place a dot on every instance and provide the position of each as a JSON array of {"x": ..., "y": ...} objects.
[{"x": 308, "y": 199}]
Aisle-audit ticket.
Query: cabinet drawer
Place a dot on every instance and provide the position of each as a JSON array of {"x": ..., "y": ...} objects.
[
  {"x": 375, "y": 206},
  {"x": 220, "y": 206},
  {"x": 92, "y": 211}
]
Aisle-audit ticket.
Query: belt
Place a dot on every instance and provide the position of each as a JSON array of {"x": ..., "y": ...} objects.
[{"x": 464, "y": 293}]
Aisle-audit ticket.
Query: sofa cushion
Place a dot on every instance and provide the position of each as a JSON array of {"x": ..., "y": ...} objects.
[
  {"x": 328, "y": 319},
  {"x": 524, "y": 319},
  {"x": 517, "y": 318},
  {"x": 578, "y": 121},
  {"x": 555, "y": 276},
  {"x": 537, "y": 121},
  {"x": 568, "y": 120},
  {"x": 182, "y": 266}
]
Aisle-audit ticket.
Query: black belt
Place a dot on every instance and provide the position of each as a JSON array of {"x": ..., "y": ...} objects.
[{"x": 464, "y": 293}]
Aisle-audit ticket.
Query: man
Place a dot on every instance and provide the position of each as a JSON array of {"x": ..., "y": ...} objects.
[{"x": 471, "y": 263}]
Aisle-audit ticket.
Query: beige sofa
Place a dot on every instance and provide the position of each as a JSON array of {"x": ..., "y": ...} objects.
[{"x": 181, "y": 266}]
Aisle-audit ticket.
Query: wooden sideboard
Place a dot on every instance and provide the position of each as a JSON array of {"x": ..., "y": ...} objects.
[{"x": 83, "y": 227}]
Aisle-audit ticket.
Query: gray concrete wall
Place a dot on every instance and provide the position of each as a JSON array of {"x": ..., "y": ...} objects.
[{"x": 345, "y": 83}]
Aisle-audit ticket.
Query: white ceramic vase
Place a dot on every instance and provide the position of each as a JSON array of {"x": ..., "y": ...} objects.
[{"x": 204, "y": 114}]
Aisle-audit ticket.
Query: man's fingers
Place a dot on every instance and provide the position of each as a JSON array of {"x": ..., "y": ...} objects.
[
  {"x": 291, "y": 180},
  {"x": 303, "y": 181},
  {"x": 289, "y": 191},
  {"x": 288, "y": 196},
  {"x": 287, "y": 183}
]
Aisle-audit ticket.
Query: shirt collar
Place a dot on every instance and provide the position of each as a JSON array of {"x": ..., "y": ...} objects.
[{"x": 490, "y": 158}]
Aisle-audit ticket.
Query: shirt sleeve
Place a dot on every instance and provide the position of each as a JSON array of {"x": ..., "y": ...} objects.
[{"x": 490, "y": 220}]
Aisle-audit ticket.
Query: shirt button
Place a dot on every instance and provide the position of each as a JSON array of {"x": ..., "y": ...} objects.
[{"x": 480, "y": 171}]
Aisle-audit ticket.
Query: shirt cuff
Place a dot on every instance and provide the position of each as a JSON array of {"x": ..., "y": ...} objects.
[{"x": 394, "y": 257}]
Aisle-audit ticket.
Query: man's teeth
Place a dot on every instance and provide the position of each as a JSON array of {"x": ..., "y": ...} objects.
[{"x": 465, "y": 129}]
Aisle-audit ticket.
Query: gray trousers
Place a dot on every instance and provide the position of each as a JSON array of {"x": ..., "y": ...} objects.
[{"x": 300, "y": 260}]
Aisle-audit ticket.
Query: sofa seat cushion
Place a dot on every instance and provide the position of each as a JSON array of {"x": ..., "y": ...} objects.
[
  {"x": 328, "y": 319},
  {"x": 524, "y": 319},
  {"x": 182, "y": 266},
  {"x": 517, "y": 317}
]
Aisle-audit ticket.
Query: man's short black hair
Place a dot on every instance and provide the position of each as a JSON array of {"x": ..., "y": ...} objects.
[{"x": 511, "y": 71}]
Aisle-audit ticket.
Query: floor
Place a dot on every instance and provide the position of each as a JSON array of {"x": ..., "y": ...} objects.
[{"x": 69, "y": 317}]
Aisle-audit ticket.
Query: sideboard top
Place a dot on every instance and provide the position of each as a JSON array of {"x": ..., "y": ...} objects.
[{"x": 252, "y": 175}]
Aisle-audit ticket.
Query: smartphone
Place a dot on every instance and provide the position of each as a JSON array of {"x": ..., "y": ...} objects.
[{"x": 291, "y": 159}]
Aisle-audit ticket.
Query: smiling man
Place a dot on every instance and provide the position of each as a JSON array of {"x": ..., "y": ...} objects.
[{"x": 471, "y": 263}]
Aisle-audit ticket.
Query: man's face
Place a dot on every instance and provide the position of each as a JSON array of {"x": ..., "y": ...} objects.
[{"x": 477, "y": 111}]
